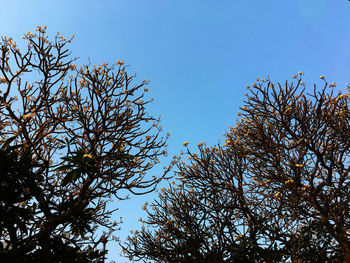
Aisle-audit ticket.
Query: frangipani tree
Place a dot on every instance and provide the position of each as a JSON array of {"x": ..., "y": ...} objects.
[
  {"x": 276, "y": 191},
  {"x": 298, "y": 144},
  {"x": 89, "y": 137},
  {"x": 208, "y": 217}
]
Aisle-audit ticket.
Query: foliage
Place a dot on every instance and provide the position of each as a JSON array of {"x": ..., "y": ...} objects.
[
  {"x": 80, "y": 136},
  {"x": 276, "y": 191}
]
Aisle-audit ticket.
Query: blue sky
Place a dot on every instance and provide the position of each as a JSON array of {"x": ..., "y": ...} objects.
[{"x": 199, "y": 54}]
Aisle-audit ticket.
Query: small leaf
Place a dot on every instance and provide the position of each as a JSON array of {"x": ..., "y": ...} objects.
[{"x": 71, "y": 177}]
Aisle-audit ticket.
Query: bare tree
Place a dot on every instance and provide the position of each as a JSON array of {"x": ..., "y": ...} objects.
[
  {"x": 208, "y": 217},
  {"x": 278, "y": 188},
  {"x": 298, "y": 144},
  {"x": 88, "y": 135}
]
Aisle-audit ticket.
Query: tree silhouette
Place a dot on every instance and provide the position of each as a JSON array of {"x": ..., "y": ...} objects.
[
  {"x": 276, "y": 191},
  {"x": 80, "y": 136},
  {"x": 298, "y": 144},
  {"x": 208, "y": 217}
]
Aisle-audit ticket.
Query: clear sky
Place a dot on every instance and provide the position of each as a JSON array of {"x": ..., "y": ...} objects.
[{"x": 199, "y": 54}]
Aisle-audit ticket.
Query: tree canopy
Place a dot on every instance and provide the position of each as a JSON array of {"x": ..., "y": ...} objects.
[
  {"x": 276, "y": 191},
  {"x": 73, "y": 139}
]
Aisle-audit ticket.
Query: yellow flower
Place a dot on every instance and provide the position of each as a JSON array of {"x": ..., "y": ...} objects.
[
  {"x": 185, "y": 144},
  {"x": 87, "y": 155},
  {"x": 298, "y": 165},
  {"x": 289, "y": 181},
  {"x": 239, "y": 236},
  {"x": 144, "y": 207},
  {"x": 277, "y": 194},
  {"x": 200, "y": 144},
  {"x": 322, "y": 77}
]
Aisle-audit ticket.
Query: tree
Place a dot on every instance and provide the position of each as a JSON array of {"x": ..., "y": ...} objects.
[
  {"x": 80, "y": 136},
  {"x": 208, "y": 217},
  {"x": 278, "y": 188},
  {"x": 298, "y": 144}
]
